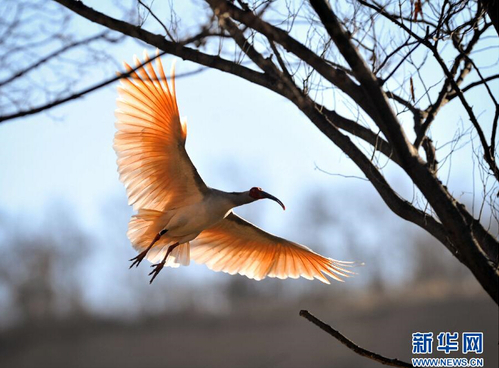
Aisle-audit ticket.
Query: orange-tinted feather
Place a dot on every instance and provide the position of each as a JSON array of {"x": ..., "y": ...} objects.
[
  {"x": 150, "y": 142},
  {"x": 236, "y": 246}
]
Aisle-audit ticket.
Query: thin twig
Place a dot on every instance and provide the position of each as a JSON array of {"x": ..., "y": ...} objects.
[
  {"x": 51, "y": 56},
  {"x": 472, "y": 85},
  {"x": 157, "y": 19},
  {"x": 83, "y": 92},
  {"x": 351, "y": 345}
]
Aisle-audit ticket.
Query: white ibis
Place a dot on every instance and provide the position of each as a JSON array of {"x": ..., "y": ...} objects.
[{"x": 179, "y": 217}]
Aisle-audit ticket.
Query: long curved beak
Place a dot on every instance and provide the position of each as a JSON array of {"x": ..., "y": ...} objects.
[{"x": 270, "y": 196}]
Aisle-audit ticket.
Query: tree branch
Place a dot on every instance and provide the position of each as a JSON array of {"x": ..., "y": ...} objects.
[
  {"x": 335, "y": 76},
  {"x": 244, "y": 44},
  {"x": 474, "y": 121},
  {"x": 268, "y": 67},
  {"x": 453, "y": 95},
  {"x": 157, "y": 19},
  {"x": 80, "y": 94},
  {"x": 437, "y": 195},
  {"x": 450, "y": 78},
  {"x": 384, "y": 117},
  {"x": 54, "y": 54},
  {"x": 280, "y": 60},
  {"x": 492, "y": 9},
  {"x": 174, "y": 48},
  {"x": 352, "y": 127},
  {"x": 351, "y": 345},
  {"x": 404, "y": 103},
  {"x": 327, "y": 124},
  {"x": 443, "y": 96}
]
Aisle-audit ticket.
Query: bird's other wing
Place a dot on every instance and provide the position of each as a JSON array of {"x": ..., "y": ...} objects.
[
  {"x": 150, "y": 142},
  {"x": 236, "y": 246}
]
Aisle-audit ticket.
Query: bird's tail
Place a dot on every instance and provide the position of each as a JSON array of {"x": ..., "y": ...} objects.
[{"x": 142, "y": 229}]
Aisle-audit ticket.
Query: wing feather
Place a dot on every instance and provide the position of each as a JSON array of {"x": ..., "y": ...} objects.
[
  {"x": 150, "y": 142},
  {"x": 236, "y": 246}
]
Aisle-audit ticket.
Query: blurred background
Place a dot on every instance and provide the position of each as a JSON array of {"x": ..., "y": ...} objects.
[{"x": 67, "y": 297}]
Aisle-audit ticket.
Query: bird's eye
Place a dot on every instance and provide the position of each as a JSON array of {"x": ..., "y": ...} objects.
[{"x": 255, "y": 192}]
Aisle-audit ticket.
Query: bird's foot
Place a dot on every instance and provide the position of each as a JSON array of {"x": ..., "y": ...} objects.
[
  {"x": 139, "y": 258},
  {"x": 157, "y": 269},
  {"x": 142, "y": 255}
]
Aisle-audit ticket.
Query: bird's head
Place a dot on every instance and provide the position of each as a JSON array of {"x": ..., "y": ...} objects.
[{"x": 257, "y": 193}]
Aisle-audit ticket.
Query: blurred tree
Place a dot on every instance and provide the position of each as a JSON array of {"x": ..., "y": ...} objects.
[
  {"x": 432, "y": 267},
  {"x": 41, "y": 275},
  {"x": 394, "y": 64}
]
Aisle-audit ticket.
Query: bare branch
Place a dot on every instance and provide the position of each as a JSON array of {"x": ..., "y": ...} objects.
[
  {"x": 453, "y": 95},
  {"x": 336, "y": 76},
  {"x": 244, "y": 44},
  {"x": 453, "y": 84},
  {"x": 281, "y": 62},
  {"x": 378, "y": 143},
  {"x": 443, "y": 96},
  {"x": 173, "y": 48},
  {"x": 487, "y": 149},
  {"x": 157, "y": 19},
  {"x": 401, "y": 207},
  {"x": 393, "y": 362},
  {"x": 53, "y": 55},
  {"x": 384, "y": 116},
  {"x": 492, "y": 8},
  {"x": 404, "y": 103},
  {"x": 82, "y": 93},
  {"x": 438, "y": 196}
]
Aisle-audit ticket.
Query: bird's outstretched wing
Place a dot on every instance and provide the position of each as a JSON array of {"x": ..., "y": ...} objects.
[
  {"x": 150, "y": 142},
  {"x": 237, "y": 246}
]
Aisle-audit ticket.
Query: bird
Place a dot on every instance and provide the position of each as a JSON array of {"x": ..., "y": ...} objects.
[{"x": 179, "y": 218}]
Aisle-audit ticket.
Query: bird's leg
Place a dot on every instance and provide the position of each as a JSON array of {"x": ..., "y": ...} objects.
[
  {"x": 136, "y": 260},
  {"x": 159, "y": 266}
]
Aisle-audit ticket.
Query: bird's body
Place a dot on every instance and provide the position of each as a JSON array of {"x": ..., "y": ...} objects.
[
  {"x": 187, "y": 222},
  {"x": 179, "y": 217}
]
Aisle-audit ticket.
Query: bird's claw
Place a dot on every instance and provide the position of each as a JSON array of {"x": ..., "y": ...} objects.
[
  {"x": 139, "y": 258},
  {"x": 157, "y": 268}
]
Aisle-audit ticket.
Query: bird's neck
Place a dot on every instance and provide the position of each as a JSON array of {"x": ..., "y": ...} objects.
[{"x": 238, "y": 198}]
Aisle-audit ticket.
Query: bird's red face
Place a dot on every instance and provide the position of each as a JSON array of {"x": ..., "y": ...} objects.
[{"x": 257, "y": 193}]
